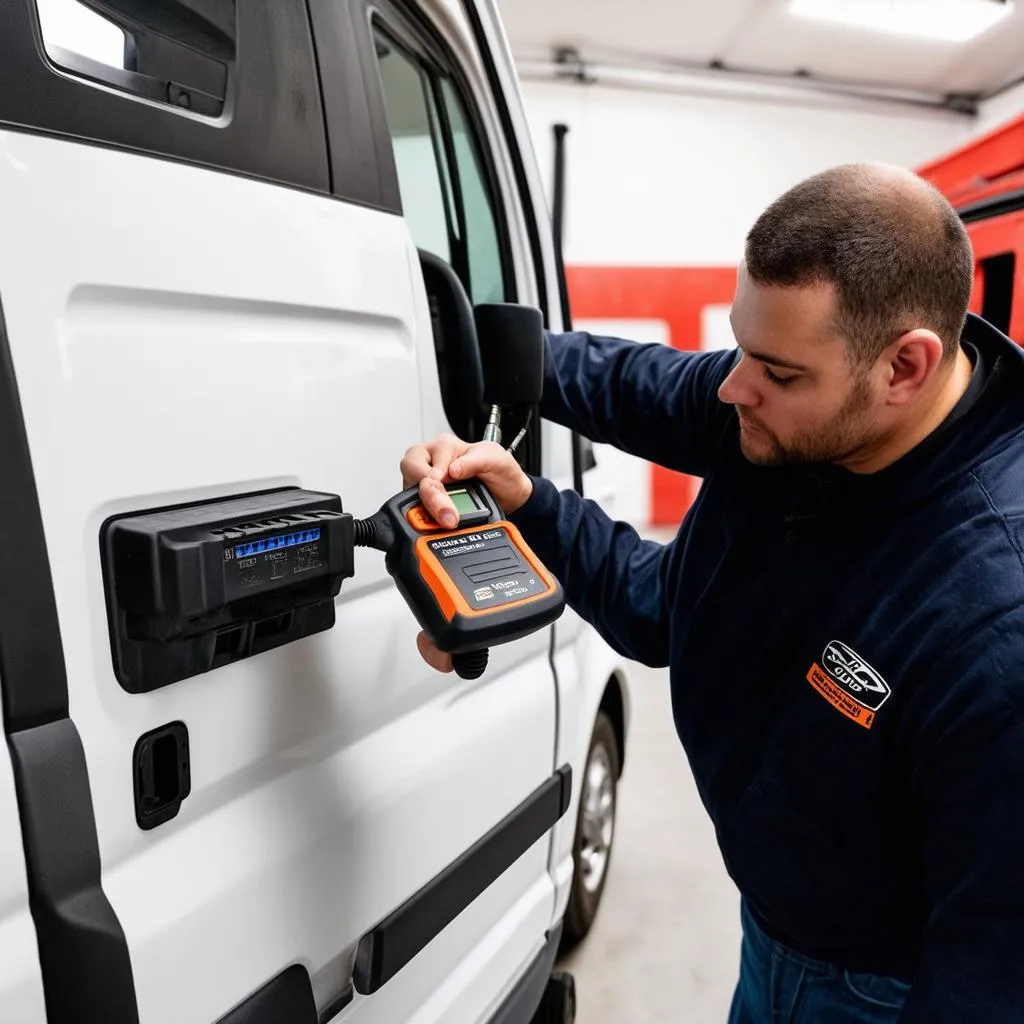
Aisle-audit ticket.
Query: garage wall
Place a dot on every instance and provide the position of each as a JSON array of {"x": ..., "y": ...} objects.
[
  {"x": 668, "y": 185},
  {"x": 676, "y": 179},
  {"x": 1000, "y": 109}
]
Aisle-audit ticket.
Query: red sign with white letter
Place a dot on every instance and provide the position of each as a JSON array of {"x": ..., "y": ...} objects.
[{"x": 675, "y": 295}]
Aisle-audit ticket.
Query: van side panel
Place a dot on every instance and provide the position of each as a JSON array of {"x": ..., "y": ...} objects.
[{"x": 181, "y": 334}]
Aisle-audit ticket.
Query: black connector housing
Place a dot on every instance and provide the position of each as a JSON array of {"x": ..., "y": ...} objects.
[{"x": 199, "y": 586}]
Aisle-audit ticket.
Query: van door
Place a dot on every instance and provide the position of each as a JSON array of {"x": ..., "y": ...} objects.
[
  {"x": 457, "y": 193},
  {"x": 204, "y": 298}
]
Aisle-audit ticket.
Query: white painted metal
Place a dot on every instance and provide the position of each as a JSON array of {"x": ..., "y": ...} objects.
[
  {"x": 585, "y": 666},
  {"x": 181, "y": 334}
]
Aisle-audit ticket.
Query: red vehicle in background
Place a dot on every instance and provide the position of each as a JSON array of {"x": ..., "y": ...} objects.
[{"x": 984, "y": 180}]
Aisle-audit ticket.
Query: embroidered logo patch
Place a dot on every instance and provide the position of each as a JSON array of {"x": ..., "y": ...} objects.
[{"x": 849, "y": 683}]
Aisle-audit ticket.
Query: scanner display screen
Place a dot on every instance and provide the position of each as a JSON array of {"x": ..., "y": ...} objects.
[{"x": 463, "y": 501}]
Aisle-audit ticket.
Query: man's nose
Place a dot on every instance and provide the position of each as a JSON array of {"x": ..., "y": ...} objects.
[{"x": 735, "y": 389}]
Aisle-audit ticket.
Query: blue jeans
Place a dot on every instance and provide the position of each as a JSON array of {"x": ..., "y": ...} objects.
[{"x": 779, "y": 986}]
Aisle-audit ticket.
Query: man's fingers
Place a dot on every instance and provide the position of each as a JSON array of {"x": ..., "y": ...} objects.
[
  {"x": 448, "y": 458},
  {"x": 435, "y": 658},
  {"x": 436, "y": 501},
  {"x": 442, "y": 451},
  {"x": 431, "y": 459},
  {"x": 485, "y": 457},
  {"x": 415, "y": 465}
]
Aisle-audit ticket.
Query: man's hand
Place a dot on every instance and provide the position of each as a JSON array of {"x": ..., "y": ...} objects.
[{"x": 448, "y": 458}]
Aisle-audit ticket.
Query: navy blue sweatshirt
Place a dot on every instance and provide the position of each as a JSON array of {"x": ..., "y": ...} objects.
[{"x": 846, "y": 657}]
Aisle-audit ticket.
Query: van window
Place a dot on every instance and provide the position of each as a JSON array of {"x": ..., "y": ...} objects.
[
  {"x": 68, "y": 26},
  {"x": 419, "y": 159},
  {"x": 445, "y": 196},
  {"x": 483, "y": 248}
]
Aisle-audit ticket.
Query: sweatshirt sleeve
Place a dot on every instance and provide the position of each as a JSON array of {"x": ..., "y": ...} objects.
[
  {"x": 612, "y": 578},
  {"x": 967, "y": 786},
  {"x": 650, "y": 400}
]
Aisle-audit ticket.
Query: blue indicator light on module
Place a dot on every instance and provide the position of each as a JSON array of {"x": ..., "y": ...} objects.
[{"x": 283, "y": 540}]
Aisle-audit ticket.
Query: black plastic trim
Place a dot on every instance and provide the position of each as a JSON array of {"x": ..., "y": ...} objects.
[
  {"x": 995, "y": 206},
  {"x": 145, "y": 776},
  {"x": 83, "y": 954},
  {"x": 272, "y": 124},
  {"x": 362, "y": 166},
  {"x": 582, "y": 448},
  {"x": 388, "y": 947},
  {"x": 285, "y": 999},
  {"x": 134, "y": 83},
  {"x": 205, "y": 32},
  {"x": 459, "y": 366},
  {"x": 521, "y": 1003},
  {"x": 565, "y": 793},
  {"x": 999, "y": 273}
]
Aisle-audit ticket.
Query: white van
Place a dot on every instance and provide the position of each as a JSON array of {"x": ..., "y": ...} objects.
[{"x": 215, "y": 217}]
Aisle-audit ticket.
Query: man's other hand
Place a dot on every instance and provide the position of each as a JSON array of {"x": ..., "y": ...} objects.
[{"x": 447, "y": 459}]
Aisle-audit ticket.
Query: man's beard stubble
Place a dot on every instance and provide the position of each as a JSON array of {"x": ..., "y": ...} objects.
[{"x": 842, "y": 436}]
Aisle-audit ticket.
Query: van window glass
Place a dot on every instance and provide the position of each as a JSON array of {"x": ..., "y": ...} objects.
[
  {"x": 483, "y": 252},
  {"x": 423, "y": 178},
  {"x": 70, "y": 26},
  {"x": 445, "y": 192}
]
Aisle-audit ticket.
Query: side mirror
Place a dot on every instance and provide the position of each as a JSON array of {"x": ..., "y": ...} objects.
[
  {"x": 456, "y": 347},
  {"x": 511, "y": 340},
  {"x": 512, "y": 352},
  {"x": 489, "y": 356}
]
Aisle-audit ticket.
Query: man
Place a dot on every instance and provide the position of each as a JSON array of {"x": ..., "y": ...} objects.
[{"x": 842, "y": 609}]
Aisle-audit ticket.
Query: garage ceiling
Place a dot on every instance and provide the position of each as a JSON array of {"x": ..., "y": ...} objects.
[{"x": 763, "y": 36}]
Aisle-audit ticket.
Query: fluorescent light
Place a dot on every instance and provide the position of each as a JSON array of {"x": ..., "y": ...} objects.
[{"x": 953, "y": 21}]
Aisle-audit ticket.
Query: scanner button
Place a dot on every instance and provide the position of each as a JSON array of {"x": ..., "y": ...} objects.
[{"x": 420, "y": 520}]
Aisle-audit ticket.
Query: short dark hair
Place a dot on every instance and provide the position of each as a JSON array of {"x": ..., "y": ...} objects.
[{"x": 891, "y": 244}]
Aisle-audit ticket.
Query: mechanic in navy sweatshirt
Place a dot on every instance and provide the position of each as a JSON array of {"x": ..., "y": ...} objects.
[{"x": 842, "y": 609}]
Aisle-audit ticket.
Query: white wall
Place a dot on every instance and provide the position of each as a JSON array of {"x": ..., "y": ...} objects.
[
  {"x": 677, "y": 179},
  {"x": 1000, "y": 109},
  {"x": 656, "y": 178}
]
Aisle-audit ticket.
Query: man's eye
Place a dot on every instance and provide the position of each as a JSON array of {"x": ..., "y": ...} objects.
[{"x": 776, "y": 379}]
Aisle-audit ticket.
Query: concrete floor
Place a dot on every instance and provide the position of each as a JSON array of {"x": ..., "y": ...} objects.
[{"x": 665, "y": 945}]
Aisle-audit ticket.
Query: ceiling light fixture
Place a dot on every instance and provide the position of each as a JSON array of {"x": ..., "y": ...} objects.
[{"x": 950, "y": 21}]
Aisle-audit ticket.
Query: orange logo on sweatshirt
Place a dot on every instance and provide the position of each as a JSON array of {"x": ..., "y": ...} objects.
[{"x": 818, "y": 678}]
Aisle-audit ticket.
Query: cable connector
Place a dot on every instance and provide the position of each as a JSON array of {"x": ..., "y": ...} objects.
[
  {"x": 492, "y": 432},
  {"x": 375, "y": 532},
  {"x": 522, "y": 433}
]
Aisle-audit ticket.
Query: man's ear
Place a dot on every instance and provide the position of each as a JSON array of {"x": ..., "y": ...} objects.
[{"x": 910, "y": 363}]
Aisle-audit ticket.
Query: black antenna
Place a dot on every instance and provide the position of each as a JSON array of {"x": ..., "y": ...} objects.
[{"x": 582, "y": 450}]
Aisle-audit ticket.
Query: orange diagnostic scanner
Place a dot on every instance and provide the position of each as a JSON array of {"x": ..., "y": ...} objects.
[{"x": 469, "y": 588}]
